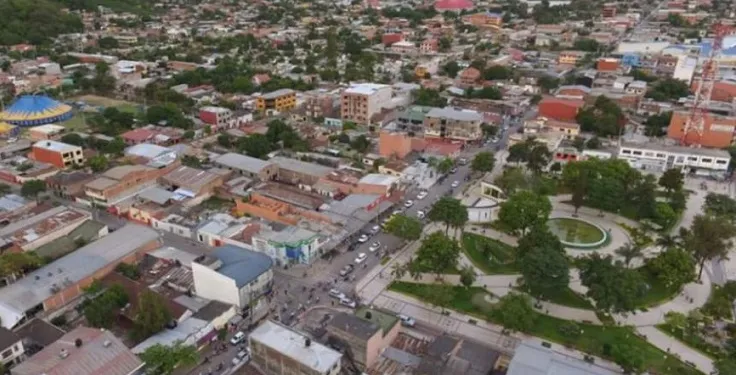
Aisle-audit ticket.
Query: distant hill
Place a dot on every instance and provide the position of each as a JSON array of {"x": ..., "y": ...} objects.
[
  {"x": 34, "y": 21},
  {"x": 133, "y": 6}
]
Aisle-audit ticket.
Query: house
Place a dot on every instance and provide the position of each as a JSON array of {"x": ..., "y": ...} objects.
[
  {"x": 33, "y": 232},
  {"x": 46, "y": 132},
  {"x": 394, "y": 144},
  {"x": 233, "y": 275},
  {"x": 218, "y": 117},
  {"x": 58, "y": 283},
  {"x": 83, "y": 351},
  {"x": 453, "y": 124},
  {"x": 469, "y": 76},
  {"x": 430, "y": 45},
  {"x": 69, "y": 184},
  {"x": 12, "y": 351},
  {"x": 367, "y": 333},
  {"x": 300, "y": 173},
  {"x": 58, "y": 154},
  {"x": 192, "y": 182},
  {"x": 570, "y": 57},
  {"x": 403, "y": 46},
  {"x": 280, "y": 350},
  {"x": 560, "y": 109},
  {"x": 248, "y": 166},
  {"x": 448, "y": 355},
  {"x": 124, "y": 181},
  {"x": 287, "y": 244},
  {"x": 279, "y": 100}
]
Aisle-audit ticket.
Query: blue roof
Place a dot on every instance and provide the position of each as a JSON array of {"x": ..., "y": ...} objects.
[
  {"x": 240, "y": 264},
  {"x": 31, "y": 110}
]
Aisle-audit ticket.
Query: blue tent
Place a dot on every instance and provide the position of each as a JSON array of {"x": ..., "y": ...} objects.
[{"x": 33, "y": 110}]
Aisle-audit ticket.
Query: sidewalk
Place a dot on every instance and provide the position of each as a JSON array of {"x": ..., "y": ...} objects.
[{"x": 669, "y": 344}]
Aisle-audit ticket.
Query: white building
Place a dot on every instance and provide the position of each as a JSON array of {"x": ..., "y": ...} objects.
[
  {"x": 360, "y": 102},
  {"x": 659, "y": 158},
  {"x": 11, "y": 348},
  {"x": 289, "y": 245},
  {"x": 281, "y": 350},
  {"x": 233, "y": 275}
]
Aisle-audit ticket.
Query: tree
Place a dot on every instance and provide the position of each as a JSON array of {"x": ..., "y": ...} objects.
[
  {"x": 445, "y": 166},
  {"x": 668, "y": 89},
  {"x": 255, "y": 145},
  {"x": 467, "y": 276},
  {"x": 656, "y": 125},
  {"x": 101, "y": 312},
  {"x": 451, "y": 69},
  {"x": 152, "y": 315},
  {"x": 97, "y": 163},
  {"x": 674, "y": 267},
  {"x": 629, "y": 358},
  {"x": 672, "y": 180},
  {"x": 73, "y": 139},
  {"x": 629, "y": 251},
  {"x": 548, "y": 83},
  {"x": 32, "y": 188},
  {"x": 360, "y": 144},
  {"x": 511, "y": 180},
  {"x": 708, "y": 238},
  {"x": 405, "y": 227},
  {"x": 515, "y": 312},
  {"x": 107, "y": 43},
  {"x": 437, "y": 253},
  {"x": 162, "y": 359},
  {"x": 604, "y": 118},
  {"x": 225, "y": 140},
  {"x": 725, "y": 366},
  {"x": 5, "y": 189},
  {"x": 524, "y": 210},
  {"x": 483, "y": 162},
  {"x": 429, "y": 97},
  {"x": 570, "y": 330},
  {"x": 14, "y": 264},
  {"x": 613, "y": 287},
  {"x": 449, "y": 211},
  {"x": 542, "y": 260},
  {"x": 720, "y": 205}
]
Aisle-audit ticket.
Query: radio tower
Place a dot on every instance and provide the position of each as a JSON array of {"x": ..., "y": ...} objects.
[{"x": 695, "y": 123}]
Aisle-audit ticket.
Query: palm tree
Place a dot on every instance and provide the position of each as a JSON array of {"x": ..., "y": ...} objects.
[
  {"x": 398, "y": 271},
  {"x": 667, "y": 241},
  {"x": 629, "y": 252}
]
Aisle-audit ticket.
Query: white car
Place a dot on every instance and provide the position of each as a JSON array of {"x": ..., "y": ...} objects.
[
  {"x": 421, "y": 214},
  {"x": 363, "y": 238},
  {"x": 407, "y": 321},
  {"x": 375, "y": 229},
  {"x": 375, "y": 246},
  {"x": 361, "y": 257},
  {"x": 334, "y": 293},
  {"x": 240, "y": 336},
  {"x": 408, "y": 204},
  {"x": 455, "y": 184},
  {"x": 242, "y": 356},
  {"x": 348, "y": 302},
  {"x": 422, "y": 194}
]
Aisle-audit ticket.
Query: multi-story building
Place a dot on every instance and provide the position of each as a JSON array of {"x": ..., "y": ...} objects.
[
  {"x": 279, "y": 350},
  {"x": 484, "y": 19},
  {"x": 657, "y": 158},
  {"x": 403, "y": 47},
  {"x": 469, "y": 76},
  {"x": 124, "y": 181},
  {"x": 570, "y": 57},
  {"x": 569, "y": 130},
  {"x": 233, "y": 275},
  {"x": 69, "y": 184},
  {"x": 718, "y": 131},
  {"x": 218, "y": 117},
  {"x": 289, "y": 244},
  {"x": 429, "y": 46},
  {"x": 58, "y": 154},
  {"x": 367, "y": 333},
  {"x": 453, "y": 124},
  {"x": 279, "y": 100},
  {"x": 319, "y": 104},
  {"x": 11, "y": 348},
  {"x": 361, "y": 101}
]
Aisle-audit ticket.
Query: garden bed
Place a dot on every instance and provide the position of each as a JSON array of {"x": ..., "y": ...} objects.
[{"x": 503, "y": 256}]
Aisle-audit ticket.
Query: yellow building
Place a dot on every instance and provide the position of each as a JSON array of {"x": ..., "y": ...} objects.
[
  {"x": 421, "y": 71},
  {"x": 570, "y": 57},
  {"x": 279, "y": 100}
]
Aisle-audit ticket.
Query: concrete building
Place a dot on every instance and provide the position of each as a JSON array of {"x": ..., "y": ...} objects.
[
  {"x": 658, "y": 158},
  {"x": 279, "y": 350},
  {"x": 718, "y": 131},
  {"x": 58, "y": 154},
  {"x": 394, "y": 144},
  {"x": 12, "y": 351},
  {"x": 248, "y": 166},
  {"x": 289, "y": 244},
  {"x": 60, "y": 282},
  {"x": 83, "y": 351},
  {"x": 233, "y": 275},
  {"x": 69, "y": 185},
  {"x": 299, "y": 173},
  {"x": 453, "y": 124},
  {"x": 279, "y": 100},
  {"x": 569, "y": 130},
  {"x": 218, "y": 117},
  {"x": 360, "y": 102},
  {"x": 367, "y": 333},
  {"x": 192, "y": 182},
  {"x": 124, "y": 181},
  {"x": 35, "y": 231},
  {"x": 534, "y": 359}
]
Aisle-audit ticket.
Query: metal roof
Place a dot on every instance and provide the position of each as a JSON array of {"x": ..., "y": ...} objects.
[
  {"x": 301, "y": 166},
  {"x": 533, "y": 359},
  {"x": 240, "y": 264},
  {"x": 293, "y": 345},
  {"x": 242, "y": 162}
]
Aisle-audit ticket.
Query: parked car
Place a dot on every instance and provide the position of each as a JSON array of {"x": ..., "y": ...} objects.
[
  {"x": 240, "y": 336},
  {"x": 334, "y": 293},
  {"x": 422, "y": 194},
  {"x": 407, "y": 321},
  {"x": 375, "y": 246},
  {"x": 242, "y": 356},
  {"x": 408, "y": 203},
  {"x": 455, "y": 184},
  {"x": 346, "y": 270},
  {"x": 375, "y": 229},
  {"x": 421, "y": 214},
  {"x": 363, "y": 238},
  {"x": 348, "y": 302},
  {"x": 361, "y": 257},
  {"x": 463, "y": 161},
  {"x": 453, "y": 170}
]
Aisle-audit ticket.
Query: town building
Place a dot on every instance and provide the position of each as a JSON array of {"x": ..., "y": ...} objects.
[
  {"x": 484, "y": 20},
  {"x": 58, "y": 154},
  {"x": 560, "y": 109},
  {"x": 448, "y": 355},
  {"x": 299, "y": 173},
  {"x": 30, "y": 233},
  {"x": 453, "y": 124},
  {"x": 534, "y": 359},
  {"x": 394, "y": 144},
  {"x": 570, "y": 57},
  {"x": 233, "y": 275},
  {"x": 403, "y": 46},
  {"x": 12, "y": 351},
  {"x": 83, "y": 351},
  {"x": 69, "y": 184},
  {"x": 279, "y": 101},
  {"x": 287, "y": 244},
  {"x": 568, "y": 129},
  {"x": 46, "y": 132},
  {"x": 218, "y": 117},
  {"x": 247, "y": 166},
  {"x": 360, "y": 102},
  {"x": 658, "y": 158},
  {"x": 367, "y": 333},
  {"x": 469, "y": 76},
  {"x": 122, "y": 182},
  {"x": 58, "y": 283},
  {"x": 718, "y": 131},
  {"x": 279, "y": 350},
  {"x": 192, "y": 182}
]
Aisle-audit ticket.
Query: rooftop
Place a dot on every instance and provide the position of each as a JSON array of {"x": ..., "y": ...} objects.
[
  {"x": 120, "y": 172},
  {"x": 277, "y": 94},
  {"x": 532, "y": 359},
  {"x": 354, "y": 325},
  {"x": 37, "y": 286},
  {"x": 29, "y": 230},
  {"x": 301, "y": 166},
  {"x": 242, "y": 162},
  {"x": 56, "y": 146},
  {"x": 455, "y": 114},
  {"x": 146, "y": 150},
  {"x": 364, "y": 88},
  {"x": 382, "y": 319},
  {"x": 190, "y": 178},
  {"x": 290, "y": 236},
  {"x": 378, "y": 179},
  {"x": 240, "y": 264},
  {"x": 293, "y": 345},
  {"x": 8, "y": 338},
  {"x": 716, "y": 153},
  {"x": 100, "y": 353}
]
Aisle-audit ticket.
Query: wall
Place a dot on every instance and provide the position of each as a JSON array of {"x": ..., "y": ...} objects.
[
  {"x": 13, "y": 355},
  {"x": 47, "y": 156},
  {"x": 209, "y": 284},
  {"x": 394, "y": 144},
  {"x": 172, "y": 228},
  {"x": 52, "y": 236}
]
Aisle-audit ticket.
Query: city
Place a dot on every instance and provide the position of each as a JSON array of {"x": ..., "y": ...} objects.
[{"x": 379, "y": 187}]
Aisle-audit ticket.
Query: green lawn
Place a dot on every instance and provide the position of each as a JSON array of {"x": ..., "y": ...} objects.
[
  {"x": 596, "y": 340},
  {"x": 501, "y": 261},
  {"x": 563, "y": 296},
  {"x": 658, "y": 293},
  {"x": 694, "y": 341}
]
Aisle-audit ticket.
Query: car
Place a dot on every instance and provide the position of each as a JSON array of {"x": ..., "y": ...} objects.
[
  {"x": 397, "y": 211},
  {"x": 375, "y": 246},
  {"x": 363, "y": 238},
  {"x": 421, "y": 214},
  {"x": 422, "y": 194},
  {"x": 453, "y": 170},
  {"x": 348, "y": 302},
  {"x": 455, "y": 184},
  {"x": 408, "y": 203},
  {"x": 346, "y": 270},
  {"x": 407, "y": 321},
  {"x": 240, "y": 336},
  {"x": 361, "y": 257},
  {"x": 463, "y": 161},
  {"x": 242, "y": 356},
  {"x": 334, "y": 293},
  {"x": 375, "y": 229}
]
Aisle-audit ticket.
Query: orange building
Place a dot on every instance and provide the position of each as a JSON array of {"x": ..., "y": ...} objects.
[
  {"x": 723, "y": 91},
  {"x": 718, "y": 130},
  {"x": 120, "y": 182},
  {"x": 275, "y": 210},
  {"x": 484, "y": 19},
  {"x": 394, "y": 144},
  {"x": 469, "y": 76},
  {"x": 607, "y": 64},
  {"x": 58, "y": 154}
]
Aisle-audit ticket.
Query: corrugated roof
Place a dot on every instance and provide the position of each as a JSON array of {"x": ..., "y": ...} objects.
[
  {"x": 240, "y": 264},
  {"x": 242, "y": 162},
  {"x": 532, "y": 359}
]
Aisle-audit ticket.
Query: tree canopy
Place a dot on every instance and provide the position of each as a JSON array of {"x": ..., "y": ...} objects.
[
  {"x": 437, "y": 254},
  {"x": 152, "y": 315},
  {"x": 449, "y": 211},
  {"x": 604, "y": 118},
  {"x": 515, "y": 312},
  {"x": 532, "y": 152},
  {"x": 613, "y": 287},
  {"x": 668, "y": 89},
  {"x": 35, "y": 22},
  {"x": 483, "y": 162},
  {"x": 542, "y": 260},
  {"x": 163, "y": 359},
  {"x": 405, "y": 227},
  {"x": 524, "y": 210}
]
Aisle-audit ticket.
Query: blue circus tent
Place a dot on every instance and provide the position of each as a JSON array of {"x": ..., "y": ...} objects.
[{"x": 33, "y": 110}]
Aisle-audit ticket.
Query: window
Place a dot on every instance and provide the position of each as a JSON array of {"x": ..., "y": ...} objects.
[
  {"x": 706, "y": 160},
  {"x": 659, "y": 155},
  {"x": 649, "y": 154},
  {"x": 7, "y": 353},
  {"x": 638, "y": 153},
  {"x": 680, "y": 159},
  {"x": 692, "y": 158},
  {"x": 721, "y": 161},
  {"x": 625, "y": 151}
]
